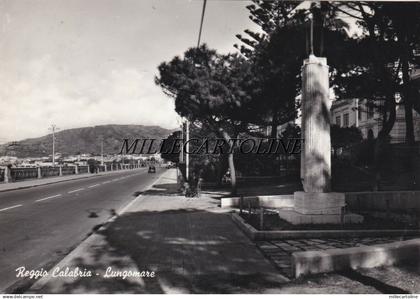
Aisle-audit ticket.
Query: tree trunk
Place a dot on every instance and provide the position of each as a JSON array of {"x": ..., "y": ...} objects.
[
  {"x": 221, "y": 169},
  {"x": 408, "y": 104},
  {"x": 381, "y": 141},
  {"x": 232, "y": 174},
  {"x": 389, "y": 122},
  {"x": 415, "y": 97},
  {"x": 273, "y": 130},
  {"x": 231, "y": 165},
  {"x": 274, "y": 124}
]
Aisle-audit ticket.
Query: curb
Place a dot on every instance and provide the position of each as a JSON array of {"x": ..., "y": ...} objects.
[
  {"x": 249, "y": 230},
  {"x": 40, "y": 283},
  {"x": 66, "y": 180},
  {"x": 256, "y": 235},
  {"x": 333, "y": 260}
]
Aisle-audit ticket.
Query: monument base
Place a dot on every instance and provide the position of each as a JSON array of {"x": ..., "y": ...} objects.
[
  {"x": 319, "y": 208},
  {"x": 296, "y": 218}
]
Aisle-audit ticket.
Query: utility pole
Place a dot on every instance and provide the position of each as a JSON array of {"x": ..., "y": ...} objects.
[
  {"x": 53, "y": 128},
  {"x": 187, "y": 123},
  {"x": 181, "y": 152},
  {"x": 187, "y": 149},
  {"x": 102, "y": 150},
  {"x": 201, "y": 23}
]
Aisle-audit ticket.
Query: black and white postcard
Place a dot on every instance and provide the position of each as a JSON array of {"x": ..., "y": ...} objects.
[{"x": 209, "y": 147}]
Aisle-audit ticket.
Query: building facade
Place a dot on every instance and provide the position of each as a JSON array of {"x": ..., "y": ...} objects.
[{"x": 358, "y": 113}]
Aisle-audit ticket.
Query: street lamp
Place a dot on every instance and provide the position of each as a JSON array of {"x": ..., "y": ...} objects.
[
  {"x": 53, "y": 128},
  {"x": 102, "y": 150}
]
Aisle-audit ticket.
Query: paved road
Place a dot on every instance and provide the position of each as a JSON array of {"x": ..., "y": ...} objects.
[
  {"x": 38, "y": 226},
  {"x": 192, "y": 245}
]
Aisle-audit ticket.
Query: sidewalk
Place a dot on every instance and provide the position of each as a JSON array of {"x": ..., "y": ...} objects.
[
  {"x": 52, "y": 180},
  {"x": 192, "y": 245}
]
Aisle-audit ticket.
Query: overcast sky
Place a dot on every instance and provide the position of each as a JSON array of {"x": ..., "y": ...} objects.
[{"x": 80, "y": 63}]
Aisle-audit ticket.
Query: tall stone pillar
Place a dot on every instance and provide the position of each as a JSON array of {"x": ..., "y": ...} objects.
[
  {"x": 317, "y": 204},
  {"x": 316, "y": 153}
]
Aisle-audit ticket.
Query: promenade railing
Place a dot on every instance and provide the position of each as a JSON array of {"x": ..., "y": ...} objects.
[{"x": 14, "y": 174}]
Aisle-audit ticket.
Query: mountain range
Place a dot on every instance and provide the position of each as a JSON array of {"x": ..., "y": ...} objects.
[{"x": 83, "y": 140}]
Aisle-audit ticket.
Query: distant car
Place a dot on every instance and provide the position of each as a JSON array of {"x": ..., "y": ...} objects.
[{"x": 152, "y": 169}]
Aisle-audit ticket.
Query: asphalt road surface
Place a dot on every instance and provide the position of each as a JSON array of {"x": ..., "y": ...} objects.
[{"x": 40, "y": 225}]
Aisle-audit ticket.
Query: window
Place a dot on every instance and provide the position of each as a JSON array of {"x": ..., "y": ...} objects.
[
  {"x": 346, "y": 120},
  {"x": 338, "y": 121}
]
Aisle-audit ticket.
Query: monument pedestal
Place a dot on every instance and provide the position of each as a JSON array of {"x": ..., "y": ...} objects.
[
  {"x": 319, "y": 208},
  {"x": 317, "y": 203}
]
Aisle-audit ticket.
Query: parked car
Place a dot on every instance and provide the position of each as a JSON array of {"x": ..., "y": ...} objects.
[{"x": 152, "y": 169}]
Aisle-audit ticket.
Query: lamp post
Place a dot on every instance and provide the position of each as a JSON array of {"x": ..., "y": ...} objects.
[
  {"x": 53, "y": 128},
  {"x": 102, "y": 150}
]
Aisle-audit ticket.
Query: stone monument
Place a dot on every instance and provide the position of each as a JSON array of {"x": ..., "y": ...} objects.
[{"x": 317, "y": 204}]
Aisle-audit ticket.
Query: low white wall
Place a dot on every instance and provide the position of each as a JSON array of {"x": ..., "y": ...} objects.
[
  {"x": 331, "y": 260},
  {"x": 396, "y": 201},
  {"x": 266, "y": 201}
]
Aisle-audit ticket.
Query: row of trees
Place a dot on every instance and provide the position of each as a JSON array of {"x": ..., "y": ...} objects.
[{"x": 229, "y": 94}]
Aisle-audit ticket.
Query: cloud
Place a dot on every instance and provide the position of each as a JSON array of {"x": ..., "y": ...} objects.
[{"x": 43, "y": 93}]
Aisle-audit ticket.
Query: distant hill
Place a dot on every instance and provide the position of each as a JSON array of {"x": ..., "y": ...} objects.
[{"x": 83, "y": 140}]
